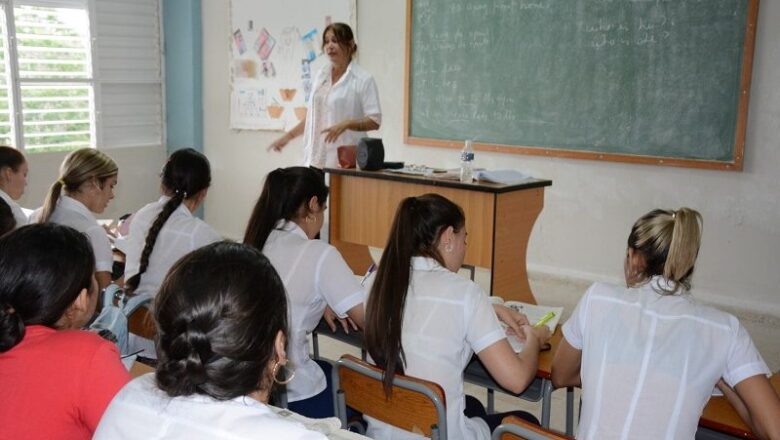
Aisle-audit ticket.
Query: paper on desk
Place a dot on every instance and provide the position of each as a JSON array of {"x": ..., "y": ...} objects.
[
  {"x": 534, "y": 313},
  {"x": 507, "y": 177}
]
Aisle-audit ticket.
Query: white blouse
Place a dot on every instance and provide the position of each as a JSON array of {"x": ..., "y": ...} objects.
[
  {"x": 19, "y": 215},
  {"x": 447, "y": 318},
  {"x": 142, "y": 411},
  {"x": 181, "y": 234},
  {"x": 315, "y": 275},
  {"x": 650, "y": 362},
  {"x": 353, "y": 96},
  {"x": 71, "y": 212}
]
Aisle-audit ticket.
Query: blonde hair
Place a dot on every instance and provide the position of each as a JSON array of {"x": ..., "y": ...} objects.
[
  {"x": 78, "y": 167},
  {"x": 669, "y": 242}
]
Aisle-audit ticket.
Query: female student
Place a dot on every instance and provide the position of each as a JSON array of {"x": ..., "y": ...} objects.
[
  {"x": 425, "y": 321},
  {"x": 13, "y": 180},
  {"x": 343, "y": 105},
  {"x": 648, "y": 355},
  {"x": 87, "y": 179},
  {"x": 222, "y": 323},
  {"x": 164, "y": 231},
  {"x": 55, "y": 380},
  {"x": 284, "y": 223}
]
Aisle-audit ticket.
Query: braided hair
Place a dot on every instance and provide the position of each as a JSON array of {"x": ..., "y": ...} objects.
[{"x": 186, "y": 174}]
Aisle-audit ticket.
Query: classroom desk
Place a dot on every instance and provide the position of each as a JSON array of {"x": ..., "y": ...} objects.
[
  {"x": 719, "y": 420},
  {"x": 499, "y": 220},
  {"x": 540, "y": 388}
]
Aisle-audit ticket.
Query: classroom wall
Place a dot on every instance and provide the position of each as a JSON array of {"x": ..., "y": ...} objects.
[
  {"x": 582, "y": 230},
  {"x": 139, "y": 183}
]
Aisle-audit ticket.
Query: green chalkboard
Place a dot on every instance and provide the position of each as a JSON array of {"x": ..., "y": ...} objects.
[{"x": 657, "y": 81}]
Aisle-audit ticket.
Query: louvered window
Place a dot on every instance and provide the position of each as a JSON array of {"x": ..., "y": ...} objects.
[{"x": 80, "y": 73}]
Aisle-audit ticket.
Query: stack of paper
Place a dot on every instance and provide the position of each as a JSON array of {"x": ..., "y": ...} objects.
[{"x": 507, "y": 177}]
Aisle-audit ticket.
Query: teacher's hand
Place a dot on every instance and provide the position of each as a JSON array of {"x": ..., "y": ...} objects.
[
  {"x": 280, "y": 143},
  {"x": 333, "y": 132}
]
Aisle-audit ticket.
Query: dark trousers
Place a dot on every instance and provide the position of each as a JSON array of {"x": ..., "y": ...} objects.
[
  {"x": 474, "y": 408},
  {"x": 321, "y": 405}
]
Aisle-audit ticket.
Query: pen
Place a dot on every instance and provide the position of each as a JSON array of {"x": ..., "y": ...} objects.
[
  {"x": 545, "y": 319},
  {"x": 370, "y": 270}
]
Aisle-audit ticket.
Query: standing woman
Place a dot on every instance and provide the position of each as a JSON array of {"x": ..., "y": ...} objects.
[
  {"x": 87, "y": 179},
  {"x": 13, "y": 180},
  {"x": 55, "y": 380},
  {"x": 164, "y": 231},
  {"x": 222, "y": 324},
  {"x": 343, "y": 105},
  {"x": 648, "y": 356},
  {"x": 284, "y": 224},
  {"x": 426, "y": 321}
]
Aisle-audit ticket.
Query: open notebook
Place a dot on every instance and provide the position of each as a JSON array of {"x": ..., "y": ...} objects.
[{"x": 533, "y": 312}]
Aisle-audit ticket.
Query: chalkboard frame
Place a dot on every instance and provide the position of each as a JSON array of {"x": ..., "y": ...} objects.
[{"x": 734, "y": 164}]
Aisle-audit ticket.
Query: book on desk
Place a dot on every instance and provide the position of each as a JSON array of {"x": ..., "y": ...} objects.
[{"x": 535, "y": 313}]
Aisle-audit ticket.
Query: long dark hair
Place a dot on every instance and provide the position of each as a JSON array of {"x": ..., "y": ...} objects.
[
  {"x": 186, "y": 174},
  {"x": 7, "y": 219},
  {"x": 44, "y": 269},
  {"x": 417, "y": 227},
  {"x": 218, "y": 314},
  {"x": 285, "y": 192}
]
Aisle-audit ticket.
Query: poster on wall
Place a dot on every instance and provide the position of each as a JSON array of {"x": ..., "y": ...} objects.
[{"x": 276, "y": 50}]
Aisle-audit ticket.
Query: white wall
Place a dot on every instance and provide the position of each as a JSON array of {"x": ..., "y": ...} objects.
[
  {"x": 139, "y": 181},
  {"x": 591, "y": 205}
]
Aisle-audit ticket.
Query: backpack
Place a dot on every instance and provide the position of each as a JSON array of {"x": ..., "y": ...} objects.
[{"x": 112, "y": 322}]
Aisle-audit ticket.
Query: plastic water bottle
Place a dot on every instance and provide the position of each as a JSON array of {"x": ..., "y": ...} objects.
[{"x": 467, "y": 162}]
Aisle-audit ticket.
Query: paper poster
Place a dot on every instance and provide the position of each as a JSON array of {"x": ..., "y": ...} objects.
[{"x": 276, "y": 50}]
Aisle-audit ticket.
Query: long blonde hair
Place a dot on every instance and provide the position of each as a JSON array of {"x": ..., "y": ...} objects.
[
  {"x": 79, "y": 166},
  {"x": 669, "y": 242}
]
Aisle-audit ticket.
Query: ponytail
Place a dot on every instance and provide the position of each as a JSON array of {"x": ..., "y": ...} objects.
[
  {"x": 51, "y": 201},
  {"x": 285, "y": 193},
  {"x": 416, "y": 229},
  {"x": 669, "y": 241}
]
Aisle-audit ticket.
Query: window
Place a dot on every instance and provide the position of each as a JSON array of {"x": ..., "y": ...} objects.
[{"x": 80, "y": 73}]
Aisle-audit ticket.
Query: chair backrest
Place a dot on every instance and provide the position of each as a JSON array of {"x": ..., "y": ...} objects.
[
  {"x": 416, "y": 405},
  {"x": 141, "y": 323},
  {"x": 139, "y": 369},
  {"x": 515, "y": 428}
]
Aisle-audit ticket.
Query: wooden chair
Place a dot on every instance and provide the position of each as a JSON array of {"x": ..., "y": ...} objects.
[
  {"x": 139, "y": 369},
  {"x": 416, "y": 405},
  {"x": 515, "y": 428},
  {"x": 141, "y": 323}
]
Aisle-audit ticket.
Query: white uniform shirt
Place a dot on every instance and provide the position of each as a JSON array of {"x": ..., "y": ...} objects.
[
  {"x": 314, "y": 275},
  {"x": 142, "y": 411},
  {"x": 181, "y": 234},
  {"x": 446, "y": 319},
  {"x": 353, "y": 96},
  {"x": 71, "y": 212},
  {"x": 19, "y": 215},
  {"x": 650, "y": 362}
]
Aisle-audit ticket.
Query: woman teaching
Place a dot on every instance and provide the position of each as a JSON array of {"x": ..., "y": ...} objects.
[{"x": 342, "y": 107}]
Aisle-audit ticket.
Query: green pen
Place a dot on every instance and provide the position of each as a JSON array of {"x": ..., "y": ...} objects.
[{"x": 545, "y": 319}]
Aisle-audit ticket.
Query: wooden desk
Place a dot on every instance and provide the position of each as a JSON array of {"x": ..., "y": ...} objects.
[
  {"x": 720, "y": 416},
  {"x": 499, "y": 220}
]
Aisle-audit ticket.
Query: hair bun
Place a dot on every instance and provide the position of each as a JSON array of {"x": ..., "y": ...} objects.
[
  {"x": 186, "y": 364},
  {"x": 11, "y": 328}
]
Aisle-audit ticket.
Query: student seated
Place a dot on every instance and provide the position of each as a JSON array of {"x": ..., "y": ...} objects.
[
  {"x": 13, "y": 180},
  {"x": 164, "y": 231},
  {"x": 424, "y": 320},
  {"x": 222, "y": 327},
  {"x": 87, "y": 179},
  {"x": 648, "y": 355},
  {"x": 286, "y": 219},
  {"x": 55, "y": 380}
]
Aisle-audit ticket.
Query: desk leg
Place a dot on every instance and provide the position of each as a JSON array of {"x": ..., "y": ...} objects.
[
  {"x": 547, "y": 389},
  {"x": 570, "y": 411},
  {"x": 491, "y": 401}
]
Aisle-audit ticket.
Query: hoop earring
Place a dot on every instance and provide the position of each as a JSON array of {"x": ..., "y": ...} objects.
[{"x": 279, "y": 365}]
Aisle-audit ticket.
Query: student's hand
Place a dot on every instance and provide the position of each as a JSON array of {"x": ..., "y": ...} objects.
[
  {"x": 280, "y": 143},
  {"x": 331, "y": 318},
  {"x": 333, "y": 132},
  {"x": 511, "y": 317},
  {"x": 541, "y": 333}
]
